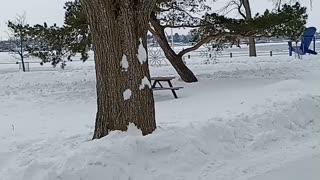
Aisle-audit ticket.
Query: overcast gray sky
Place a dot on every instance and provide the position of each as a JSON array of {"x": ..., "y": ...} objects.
[
  {"x": 51, "y": 11},
  {"x": 37, "y": 11}
]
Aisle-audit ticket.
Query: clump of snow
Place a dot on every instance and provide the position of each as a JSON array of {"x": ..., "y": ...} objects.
[
  {"x": 145, "y": 83},
  {"x": 142, "y": 53},
  {"x": 133, "y": 130},
  {"x": 124, "y": 63},
  {"x": 127, "y": 94}
]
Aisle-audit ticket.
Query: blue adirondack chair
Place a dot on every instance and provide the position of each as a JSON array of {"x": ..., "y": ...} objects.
[{"x": 307, "y": 37}]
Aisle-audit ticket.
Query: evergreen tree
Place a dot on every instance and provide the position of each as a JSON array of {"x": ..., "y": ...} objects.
[
  {"x": 19, "y": 40},
  {"x": 58, "y": 44},
  {"x": 176, "y": 37},
  {"x": 51, "y": 44},
  {"x": 288, "y": 21}
]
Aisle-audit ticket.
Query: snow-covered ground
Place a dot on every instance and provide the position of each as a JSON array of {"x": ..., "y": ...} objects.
[{"x": 246, "y": 119}]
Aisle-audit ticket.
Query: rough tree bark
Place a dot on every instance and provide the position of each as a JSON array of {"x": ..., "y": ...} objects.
[
  {"x": 119, "y": 29},
  {"x": 252, "y": 41}
]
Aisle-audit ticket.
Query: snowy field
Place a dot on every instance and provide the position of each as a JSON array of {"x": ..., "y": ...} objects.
[{"x": 246, "y": 119}]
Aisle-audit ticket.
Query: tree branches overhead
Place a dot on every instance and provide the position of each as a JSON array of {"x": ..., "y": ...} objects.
[
  {"x": 288, "y": 21},
  {"x": 181, "y": 13},
  {"x": 75, "y": 36}
]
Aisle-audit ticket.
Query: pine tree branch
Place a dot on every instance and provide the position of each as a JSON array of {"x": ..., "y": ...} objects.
[
  {"x": 183, "y": 26},
  {"x": 217, "y": 36},
  {"x": 196, "y": 46}
]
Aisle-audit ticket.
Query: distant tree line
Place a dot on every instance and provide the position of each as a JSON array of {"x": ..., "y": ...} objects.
[{"x": 177, "y": 38}]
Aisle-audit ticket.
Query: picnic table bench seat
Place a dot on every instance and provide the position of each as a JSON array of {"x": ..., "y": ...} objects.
[{"x": 166, "y": 88}]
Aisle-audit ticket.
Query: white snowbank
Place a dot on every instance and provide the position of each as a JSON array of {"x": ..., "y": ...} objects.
[
  {"x": 244, "y": 118},
  {"x": 306, "y": 168},
  {"x": 201, "y": 150}
]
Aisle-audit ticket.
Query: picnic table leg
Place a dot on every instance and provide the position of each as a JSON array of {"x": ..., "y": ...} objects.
[
  {"x": 160, "y": 84},
  {"x": 155, "y": 83},
  {"x": 173, "y": 91}
]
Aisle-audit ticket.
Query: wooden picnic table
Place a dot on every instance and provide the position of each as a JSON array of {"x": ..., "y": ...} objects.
[{"x": 158, "y": 80}]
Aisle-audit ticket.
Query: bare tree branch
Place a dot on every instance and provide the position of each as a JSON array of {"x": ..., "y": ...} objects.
[{"x": 239, "y": 10}]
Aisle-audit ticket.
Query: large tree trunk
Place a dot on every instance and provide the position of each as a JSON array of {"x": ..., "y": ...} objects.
[
  {"x": 184, "y": 72},
  {"x": 124, "y": 94},
  {"x": 176, "y": 60},
  {"x": 252, "y": 42}
]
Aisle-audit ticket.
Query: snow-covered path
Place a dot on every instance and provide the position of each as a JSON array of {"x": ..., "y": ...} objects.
[
  {"x": 244, "y": 117},
  {"x": 306, "y": 168}
]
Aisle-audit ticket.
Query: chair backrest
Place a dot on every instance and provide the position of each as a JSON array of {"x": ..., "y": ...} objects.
[{"x": 307, "y": 38}]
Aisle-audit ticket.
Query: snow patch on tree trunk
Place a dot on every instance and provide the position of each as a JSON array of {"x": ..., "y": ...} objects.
[
  {"x": 142, "y": 53},
  {"x": 145, "y": 83},
  {"x": 133, "y": 130},
  {"x": 124, "y": 63},
  {"x": 127, "y": 94}
]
